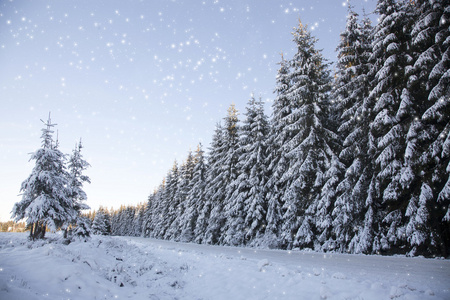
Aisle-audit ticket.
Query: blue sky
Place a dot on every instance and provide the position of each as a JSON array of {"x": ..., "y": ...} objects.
[{"x": 141, "y": 82}]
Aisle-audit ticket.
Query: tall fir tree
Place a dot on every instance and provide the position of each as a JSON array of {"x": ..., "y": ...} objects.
[
  {"x": 46, "y": 194},
  {"x": 76, "y": 166},
  {"x": 254, "y": 164},
  {"x": 392, "y": 113},
  {"x": 195, "y": 198},
  {"x": 427, "y": 150},
  {"x": 246, "y": 207},
  {"x": 351, "y": 87},
  {"x": 203, "y": 228},
  {"x": 180, "y": 204},
  {"x": 222, "y": 174},
  {"x": 276, "y": 160},
  {"x": 307, "y": 148}
]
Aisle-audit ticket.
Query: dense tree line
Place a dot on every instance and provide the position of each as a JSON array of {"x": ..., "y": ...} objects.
[
  {"x": 11, "y": 226},
  {"x": 357, "y": 163}
]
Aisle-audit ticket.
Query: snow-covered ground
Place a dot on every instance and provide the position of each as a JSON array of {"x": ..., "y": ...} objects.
[{"x": 138, "y": 268}]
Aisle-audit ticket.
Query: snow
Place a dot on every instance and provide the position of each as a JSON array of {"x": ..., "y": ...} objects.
[{"x": 140, "y": 268}]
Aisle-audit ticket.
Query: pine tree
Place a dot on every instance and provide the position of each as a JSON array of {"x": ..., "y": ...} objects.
[
  {"x": 307, "y": 149},
  {"x": 46, "y": 199},
  {"x": 351, "y": 87},
  {"x": 247, "y": 202},
  {"x": 168, "y": 208},
  {"x": 222, "y": 174},
  {"x": 276, "y": 160},
  {"x": 203, "y": 226},
  {"x": 392, "y": 114},
  {"x": 195, "y": 198},
  {"x": 76, "y": 166},
  {"x": 102, "y": 222},
  {"x": 186, "y": 171},
  {"x": 427, "y": 150}
]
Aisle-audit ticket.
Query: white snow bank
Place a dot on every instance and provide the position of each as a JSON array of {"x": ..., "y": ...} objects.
[{"x": 137, "y": 268}]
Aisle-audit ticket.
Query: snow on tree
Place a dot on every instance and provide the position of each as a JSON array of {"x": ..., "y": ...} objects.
[
  {"x": 153, "y": 212},
  {"x": 203, "y": 228},
  {"x": 391, "y": 109},
  {"x": 195, "y": 198},
  {"x": 351, "y": 87},
  {"x": 46, "y": 194},
  {"x": 246, "y": 207},
  {"x": 179, "y": 201},
  {"x": 76, "y": 166},
  {"x": 276, "y": 160},
  {"x": 254, "y": 163},
  {"x": 222, "y": 172},
  {"x": 307, "y": 146},
  {"x": 428, "y": 146},
  {"x": 101, "y": 224}
]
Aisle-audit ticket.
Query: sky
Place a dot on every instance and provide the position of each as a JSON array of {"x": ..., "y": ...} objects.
[{"x": 140, "y": 82}]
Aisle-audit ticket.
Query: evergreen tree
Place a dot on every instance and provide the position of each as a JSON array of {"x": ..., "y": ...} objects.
[
  {"x": 154, "y": 212},
  {"x": 102, "y": 222},
  {"x": 222, "y": 173},
  {"x": 247, "y": 214},
  {"x": 46, "y": 194},
  {"x": 427, "y": 150},
  {"x": 76, "y": 166},
  {"x": 167, "y": 212},
  {"x": 308, "y": 148},
  {"x": 276, "y": 160},
  {"x": 351, "y": 88},
  {"x": 204, "y": 229},
  {"x": 186, "y": 171},
  {"x": 392, "y": 114},
  {"x": 195, "y": 198}
]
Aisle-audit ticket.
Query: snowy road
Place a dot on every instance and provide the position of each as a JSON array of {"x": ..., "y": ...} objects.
[{"x": 137, "y": 268}]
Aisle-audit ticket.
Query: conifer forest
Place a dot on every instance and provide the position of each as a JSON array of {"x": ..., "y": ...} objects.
[
  {"x": 353, "y": 158},
  {"x": 357, "y": 161}
]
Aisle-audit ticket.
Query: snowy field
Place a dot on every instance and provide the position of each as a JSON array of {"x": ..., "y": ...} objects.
[{"x": 138, "y": 268}]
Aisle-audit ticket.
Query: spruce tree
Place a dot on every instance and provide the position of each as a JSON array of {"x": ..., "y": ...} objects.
[
  {"x": 46, "y": 194},
  {"x": 101, "y": 224},
  {"x": 247, "y": 203},
  {"x": 185, "y": 177},
  {"x": 393, "y": 111},
  {"x": 203, "y": 228},
  {"x": 246, "y": 207},
  {"x": 427, "y": 150},
  {"x": 351, "y": 87},
  {"x": 76, "y": 166},
  {"x": 222, "y": 173},
  {"x": 307, "y": 149},
  {"x": 195, "y": 198},
  {"x": 276, "y": 160}
]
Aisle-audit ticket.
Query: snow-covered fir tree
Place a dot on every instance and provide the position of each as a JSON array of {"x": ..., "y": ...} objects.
[
  {"x": 212, "y": 171},
  {"x": 47, "y": 201},
  {"x": 254, "y": 159},
  {"x": 351, "y": 88},
  {"x": 167, "y": 209},
  {"x": 276, "y": 160},
  {"x": 195, "y": 198},
  {"x": 222, "y": 172},
  {"x": 76, "y": 166},
  {"x": 428, "y": 146},
  {"x": 247, "y": 202},
  {"x": 392, "y": 114},
  {"x": 307, "y": 147},
  {"x": 179, "y": 200},
  {"x": 101, "y": 224}
]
